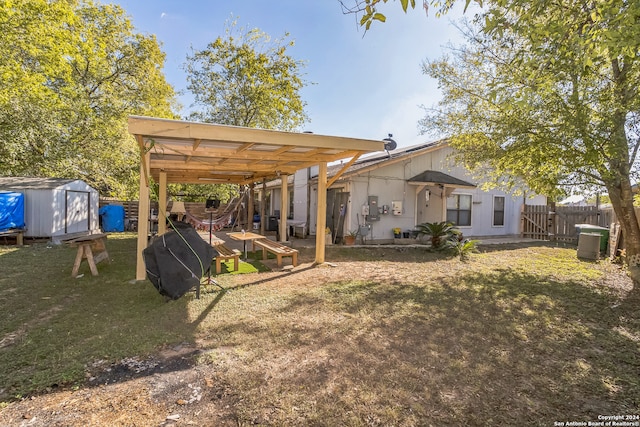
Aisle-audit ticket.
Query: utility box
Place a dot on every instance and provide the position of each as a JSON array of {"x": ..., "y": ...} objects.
[
  {"x": 374, "y": 213},
  {"x": 396, "y": 207},
  {"x": 595, "y": 229},
  {"x": 589, "y": 246}
]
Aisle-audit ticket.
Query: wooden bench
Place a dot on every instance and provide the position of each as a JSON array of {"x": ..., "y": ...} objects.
[
  {"x": 86, "y": 246},
  {"x": 278, "y": 249},
  {"x": 224, "y": 253},
  {"x": 18, "y": 233}
]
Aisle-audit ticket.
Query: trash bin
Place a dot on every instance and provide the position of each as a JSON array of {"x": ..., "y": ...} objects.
[
  {"x": 112, "y": 217},
  {"x": 602, "y": 231},
  {"x": 272, "y": 224}
]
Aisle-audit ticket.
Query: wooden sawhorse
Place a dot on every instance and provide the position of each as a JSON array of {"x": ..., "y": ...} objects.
[{"x": 92, "y": 248}]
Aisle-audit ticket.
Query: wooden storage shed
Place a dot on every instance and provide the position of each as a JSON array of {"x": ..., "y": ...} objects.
[{"x": 56, "y": 208}]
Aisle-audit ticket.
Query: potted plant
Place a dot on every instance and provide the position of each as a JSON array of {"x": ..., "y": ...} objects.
[
  {"x": 397, "y": 232},
  {"x": 350, "y": 238}
]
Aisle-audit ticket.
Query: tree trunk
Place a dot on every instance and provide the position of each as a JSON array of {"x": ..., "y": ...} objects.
[{"x": 622, "y": 201}]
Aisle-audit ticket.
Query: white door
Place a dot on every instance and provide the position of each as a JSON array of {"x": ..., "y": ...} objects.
[{"x": 77, "y": 212}]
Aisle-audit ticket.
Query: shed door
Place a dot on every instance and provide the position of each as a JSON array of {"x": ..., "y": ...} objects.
[{"x": 77, "y": 212}]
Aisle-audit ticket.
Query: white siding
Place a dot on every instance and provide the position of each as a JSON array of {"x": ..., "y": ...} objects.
[
  {"x": 46, "y": 213},
  {"x": 390, "y": 183}
]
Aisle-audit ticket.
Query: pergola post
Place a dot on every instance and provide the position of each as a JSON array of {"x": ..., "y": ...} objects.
[
  {"x": 322, "y": 212},
  {"x": 250, "y": 208},
  {"x": 284, "y": 206},
  {"x": 233, "y": 155},
  {"x": 143, "y": 216},
  {"x": 162, "y": 203},
  {"x": 263, "y": 208}
]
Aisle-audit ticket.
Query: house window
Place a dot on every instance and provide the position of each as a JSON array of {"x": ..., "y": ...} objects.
[
  {"x": 459, "y": 209},
  {"x": 498, "y": 211}
]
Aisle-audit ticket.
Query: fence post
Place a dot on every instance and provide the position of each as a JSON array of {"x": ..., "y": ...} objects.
[{"x": 553, "y": 223}]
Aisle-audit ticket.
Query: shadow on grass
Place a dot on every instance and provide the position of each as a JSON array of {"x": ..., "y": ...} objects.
[
  {"x": 56, "y": 329},
  {"x": 501, "y": 348},
  {"x": 496, "y": 348}
]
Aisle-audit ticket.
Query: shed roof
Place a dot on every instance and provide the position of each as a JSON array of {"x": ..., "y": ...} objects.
[{"x": 32, "y": 183}]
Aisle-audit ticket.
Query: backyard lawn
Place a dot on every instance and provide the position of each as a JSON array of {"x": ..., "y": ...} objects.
[{"x": 517, "y": 335}]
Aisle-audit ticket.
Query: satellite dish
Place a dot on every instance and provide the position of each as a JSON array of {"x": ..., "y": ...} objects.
[{"x": 389, "y": 143}]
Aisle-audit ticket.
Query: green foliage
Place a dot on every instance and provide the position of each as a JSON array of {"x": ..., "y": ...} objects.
[
  {"x": 439, "y": 232},
  {"x": 247, "y": 80},
  {"x": 546, "y": 93},
  {"x": 463, "y": 248},
  {"x": 72, "y": 72},
  {"x": 368, "y": 9},
  {"x": 202, "y": 192}
]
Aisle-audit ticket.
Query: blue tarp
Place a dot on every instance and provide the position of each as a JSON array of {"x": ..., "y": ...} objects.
[
  {"x": 112, "y": 217},
  {"x": 11, "y": 210}
]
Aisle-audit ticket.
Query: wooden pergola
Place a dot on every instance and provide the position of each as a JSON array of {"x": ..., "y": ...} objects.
[{"x": 175, "y": 151}]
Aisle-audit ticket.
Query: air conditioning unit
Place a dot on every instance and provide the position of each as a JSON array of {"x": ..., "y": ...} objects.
[{"x": 589, "y": 246}]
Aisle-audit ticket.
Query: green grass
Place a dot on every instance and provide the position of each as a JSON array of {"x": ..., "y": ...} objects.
[
  {"x": 513, "y": 336},
  {"x": 244, "y": 267}
]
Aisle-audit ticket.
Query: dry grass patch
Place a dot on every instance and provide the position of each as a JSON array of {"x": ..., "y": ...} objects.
[{"x": 520, "y": 336}]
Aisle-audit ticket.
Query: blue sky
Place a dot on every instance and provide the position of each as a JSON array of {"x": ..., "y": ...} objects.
[{"x": 363, "y": 87}]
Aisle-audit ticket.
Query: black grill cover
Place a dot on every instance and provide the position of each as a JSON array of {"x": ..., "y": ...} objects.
[{"x": 177, "y": 260}]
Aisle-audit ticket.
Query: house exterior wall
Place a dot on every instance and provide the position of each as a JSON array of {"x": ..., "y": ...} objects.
[{"x": 389, "y": 182}]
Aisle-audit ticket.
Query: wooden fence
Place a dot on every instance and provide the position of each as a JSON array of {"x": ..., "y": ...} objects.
[
  {"x": 197, "y": 209},
  {"x": 558, "y": 223}
]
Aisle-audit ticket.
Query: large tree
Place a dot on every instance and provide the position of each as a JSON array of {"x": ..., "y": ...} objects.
[
  {"x": 547, "y": 92},
  {"x": 72, "y": 72},
  {"x": 247, "y": 79}
]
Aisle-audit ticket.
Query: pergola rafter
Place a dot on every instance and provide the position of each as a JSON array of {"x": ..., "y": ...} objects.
[{"x": 175, "y": 151}]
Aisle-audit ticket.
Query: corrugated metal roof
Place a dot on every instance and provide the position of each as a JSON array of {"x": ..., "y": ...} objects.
[{"x": 32, "y": 183}]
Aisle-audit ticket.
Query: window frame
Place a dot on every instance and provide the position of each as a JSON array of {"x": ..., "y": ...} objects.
[
  {"x": 458, "y": 210},
  {"x": 494, "y": 211}
]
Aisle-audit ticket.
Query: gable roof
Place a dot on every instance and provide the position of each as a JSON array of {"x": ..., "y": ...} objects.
[{"x": 376, "y": 160}]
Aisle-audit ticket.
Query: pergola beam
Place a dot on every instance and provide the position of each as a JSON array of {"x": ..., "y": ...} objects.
[{"x": 174, "y": 151}]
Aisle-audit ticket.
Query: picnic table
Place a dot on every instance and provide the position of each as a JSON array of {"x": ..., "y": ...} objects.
[{"x": 245, "y": 236}]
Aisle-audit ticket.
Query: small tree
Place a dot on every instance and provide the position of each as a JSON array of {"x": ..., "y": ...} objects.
[
  {"x": 439, "y": 232},
  {"x": 463, "y": 248}
]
